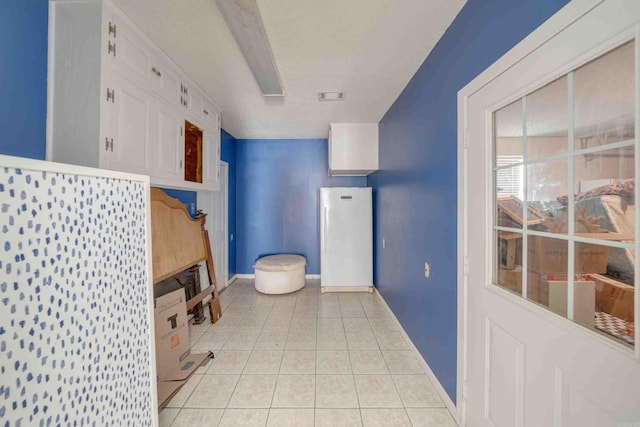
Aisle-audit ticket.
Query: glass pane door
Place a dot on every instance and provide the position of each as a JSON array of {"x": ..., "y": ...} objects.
[{"x": 564, "y": 195}]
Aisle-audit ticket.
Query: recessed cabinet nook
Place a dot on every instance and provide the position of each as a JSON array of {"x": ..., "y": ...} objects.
[{"x": 120, "y": 103}]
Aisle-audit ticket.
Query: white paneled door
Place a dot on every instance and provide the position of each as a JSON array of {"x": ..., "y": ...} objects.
[
  {"x": 215, "y": 204},
  {"x": 219, "y": 230},
  {"x": 550, "y": 326}
]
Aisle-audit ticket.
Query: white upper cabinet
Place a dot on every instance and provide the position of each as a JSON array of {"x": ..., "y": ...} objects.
[
  {"x": 120, "y": 103},
  {"x": 353, "y": 148},
  {"x": 192, "y": 100},
  {"x": 164, "y": 80},
  {"x": 210, "y": 115},
  {"x": 167, "y": 131},
  {"x": 212, "y": 156},
  {"x": 125, "y": 50},
  {"x": 127, "y": 148}
]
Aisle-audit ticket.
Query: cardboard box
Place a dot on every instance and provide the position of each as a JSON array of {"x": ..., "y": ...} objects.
[
  {"x": 550, "y": 290},
  {"x": 511, "y": 279},
  {"x": 174, "y": 361},
  {"x": 550, "y": 256},
  {"x": 614, "y": 298}
]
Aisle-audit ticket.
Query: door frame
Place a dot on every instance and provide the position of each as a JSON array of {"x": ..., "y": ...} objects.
[
  {"x": 550, "y": 28},
  {"x": 224, "y": 166},
  {"x": 205, "y": 202}
]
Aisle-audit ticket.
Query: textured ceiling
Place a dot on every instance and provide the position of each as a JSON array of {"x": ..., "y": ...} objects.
[{"x": 368, "y": 48}]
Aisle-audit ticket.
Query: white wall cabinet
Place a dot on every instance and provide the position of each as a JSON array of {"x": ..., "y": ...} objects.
[
  {"x": 120, "y": 103},
  {"x": 212, "y": 159},
  {"x": 126, "y": 51},
  {"x": 127, "y": 146},
  {"x": 164, "y": 80},
  {"x": 166, "y": 129},
  {"x": 353, "y": 148}
]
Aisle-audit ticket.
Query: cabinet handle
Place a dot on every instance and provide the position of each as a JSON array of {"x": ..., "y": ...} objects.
[
  {"x": 106, "y": 144},
  {"x": 326, "y": 220},
  {"x": 205, "y": 112},
  {"x": 156, "y": 72}
]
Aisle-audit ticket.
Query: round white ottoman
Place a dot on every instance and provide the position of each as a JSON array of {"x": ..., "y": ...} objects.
[{"x": 280, "y": 274}]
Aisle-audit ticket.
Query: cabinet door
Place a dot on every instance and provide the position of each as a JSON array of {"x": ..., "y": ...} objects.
[
  {"x": 164, "y": 80},
  {"x": 166, "y": 134},
  {"x": 128, "y": 127},
  {"x": 212, "y": 157},
  {"x": 209, "y": 114},
  {"x": 126, "y": 52},
  {"x": 194, "y": 102}
]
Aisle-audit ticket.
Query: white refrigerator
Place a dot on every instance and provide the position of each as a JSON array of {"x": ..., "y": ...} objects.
[{"x": 346, "y": 239}]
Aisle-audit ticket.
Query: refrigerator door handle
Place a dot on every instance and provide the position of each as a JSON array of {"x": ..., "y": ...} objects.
[{"x": 324, "y": 229}]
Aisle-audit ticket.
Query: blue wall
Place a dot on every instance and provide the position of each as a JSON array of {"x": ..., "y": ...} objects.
[
  {"x": 23, "y": 77},
  {"x": 415, "y": 190},
  {"x": 278, "y": 182},
  {"x": 228, "y": 154},
  {"x": 189, "y": 198}
]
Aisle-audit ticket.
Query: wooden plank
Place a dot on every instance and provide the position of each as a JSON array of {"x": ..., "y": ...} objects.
[
  {"x": 513, "y": 207},
  {"x": 608, "y": 236},
  {"x": 511, "y": 254},
  {"x": 195, "y": 300},
  {"x": 215, "y": 310},
  {"x": 508, "y": 235}
]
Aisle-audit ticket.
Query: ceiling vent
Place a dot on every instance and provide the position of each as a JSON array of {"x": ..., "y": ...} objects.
[{"x": 330, "y": 96}]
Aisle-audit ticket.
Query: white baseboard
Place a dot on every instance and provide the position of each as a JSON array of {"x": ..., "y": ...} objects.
[
  {"x": 324, "y": 289},
  {"x": 232, "y": 279},
  {"x": 432, "y": 377},
  {"x": 253, "y": 276}
]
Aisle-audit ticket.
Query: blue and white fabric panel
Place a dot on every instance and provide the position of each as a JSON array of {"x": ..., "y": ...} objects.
[{"x": 75, "y": 306}]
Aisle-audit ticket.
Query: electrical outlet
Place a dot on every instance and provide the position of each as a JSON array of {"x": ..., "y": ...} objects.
[{"x": 427, "y": 270}]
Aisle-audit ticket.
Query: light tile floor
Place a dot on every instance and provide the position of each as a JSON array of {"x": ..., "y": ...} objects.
[{"x": 304, "y": 359}]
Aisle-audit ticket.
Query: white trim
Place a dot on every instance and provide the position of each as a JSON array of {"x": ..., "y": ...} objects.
[
  {"x": 461, "y": 262},
  {"x": 33, "y": 164},
  {"x": 325, "y": 289},
  {"x": 224, "y": 169},
  {"x": 432, "y": 377},
  {"x": 636, "y": 223},
  {"x": 566, "y": 16},
  {"x": 253, "y": 276},
  {"x": 151, "y": 314},
  {"x": 553, "y": 26},
  {"x": 230, "y": 281},
  {"x": 50, "y": 80}
]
